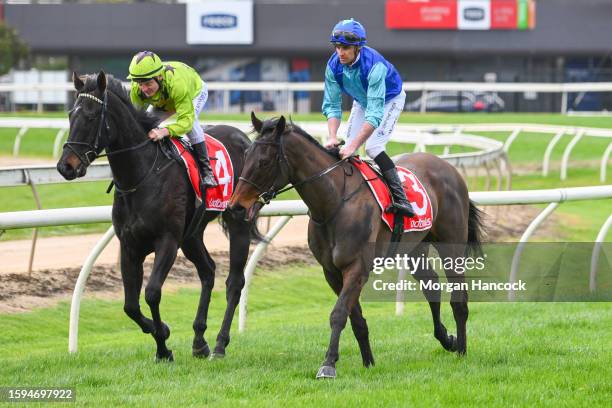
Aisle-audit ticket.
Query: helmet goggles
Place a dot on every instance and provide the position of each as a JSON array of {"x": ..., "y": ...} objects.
[{"x": 346, "y": 37}]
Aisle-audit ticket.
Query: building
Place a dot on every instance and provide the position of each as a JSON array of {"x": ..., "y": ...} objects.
[{"x": 569, "y": 41}]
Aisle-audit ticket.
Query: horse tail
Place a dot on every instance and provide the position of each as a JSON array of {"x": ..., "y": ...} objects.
[
  {"x": 254, "y": 233},
  {"x": 475, "y": 230}
]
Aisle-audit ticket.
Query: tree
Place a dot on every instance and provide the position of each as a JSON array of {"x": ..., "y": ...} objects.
[{"x": 12, "y": 48}]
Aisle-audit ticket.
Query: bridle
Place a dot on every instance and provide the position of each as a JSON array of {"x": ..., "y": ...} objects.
[
  {"x": 93, "y": 148},
  {"x": 265, "y": 196}
]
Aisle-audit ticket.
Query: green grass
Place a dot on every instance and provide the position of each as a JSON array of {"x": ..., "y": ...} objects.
[{"x": 518, "y": 354}]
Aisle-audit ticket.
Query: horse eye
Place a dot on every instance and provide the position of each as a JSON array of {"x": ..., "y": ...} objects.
[{"x": 265, "y": 162}]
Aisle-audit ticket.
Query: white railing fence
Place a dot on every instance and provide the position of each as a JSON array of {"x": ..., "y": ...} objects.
[
  {"x": 287, "y": 209},
  {"x": 290, "y": 88},
  {"x": 421, "y": 134}
]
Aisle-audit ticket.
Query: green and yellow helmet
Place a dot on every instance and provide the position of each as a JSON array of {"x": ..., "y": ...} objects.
[{"x": 144, "y": 66}]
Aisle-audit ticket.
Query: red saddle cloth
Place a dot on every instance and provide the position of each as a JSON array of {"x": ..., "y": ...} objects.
[
  {"x": 416, "y": 193},
  {"x": 218, "y": 197}
]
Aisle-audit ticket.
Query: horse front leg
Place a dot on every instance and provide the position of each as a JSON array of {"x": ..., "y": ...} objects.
[
  {"x": 353, "y": 281},
  {"x": 239, "y": 252},
  {"x": 131, "y": 274},
  {"x": 165, "y": 254}
]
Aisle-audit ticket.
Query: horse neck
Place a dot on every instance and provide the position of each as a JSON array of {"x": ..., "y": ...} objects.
[
  {"x": 305, "y": 159},
  {"x": 130, "y": 166}
]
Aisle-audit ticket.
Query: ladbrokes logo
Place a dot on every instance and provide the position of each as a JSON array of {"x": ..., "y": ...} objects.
[
  {"x": 219, "y": 21},
  {"x": 217, "y": 203}
]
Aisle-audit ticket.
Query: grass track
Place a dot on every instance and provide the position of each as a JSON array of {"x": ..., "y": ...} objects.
[{"x": 518, "y": 354}]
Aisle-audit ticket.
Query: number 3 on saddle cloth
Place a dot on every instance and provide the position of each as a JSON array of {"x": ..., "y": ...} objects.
[
  {"x": 217, "y": 197},
  {"x": 415, "y": 192}
]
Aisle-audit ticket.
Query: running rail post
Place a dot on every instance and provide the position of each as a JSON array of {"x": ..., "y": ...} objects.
[
  {"x": 596, "y": 250},
  {"x": 549, "y": 150},
  {"x": 604, "y": 163},
  {"x": 516, "y": 258},
  {"x": 75, "y": 306},
  {"x": 58, "y": 142},
  {"x": 568, "y": 150},
  {"x": 17, "y": 143},
  {"x": 250, "y": 269}
]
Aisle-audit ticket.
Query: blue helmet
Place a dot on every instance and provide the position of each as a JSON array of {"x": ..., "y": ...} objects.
[{"x": 348, "y": 32}]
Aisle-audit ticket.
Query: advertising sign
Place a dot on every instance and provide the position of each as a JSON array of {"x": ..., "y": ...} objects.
[
  {"x": 220, "y": 22},
  {"x": 460, "y": 14}
]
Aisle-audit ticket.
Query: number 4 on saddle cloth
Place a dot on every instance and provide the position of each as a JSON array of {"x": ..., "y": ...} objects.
[
  {"x": 217, "y": 197},
  {"x": 415, "y": 192}
]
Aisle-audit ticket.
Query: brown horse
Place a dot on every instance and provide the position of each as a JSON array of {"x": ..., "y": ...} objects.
[{"x": 346, "y": 232}]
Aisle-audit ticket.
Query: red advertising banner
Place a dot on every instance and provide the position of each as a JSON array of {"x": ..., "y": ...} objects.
[
  {"x": 429, "y": 14},
  {"x": 503, "y": 14},
  {"x": 460, "y": 14}
]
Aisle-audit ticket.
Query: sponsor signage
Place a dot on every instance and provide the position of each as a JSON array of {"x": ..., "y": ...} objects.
[
  {"x": 220, "y": 22},
  {"x": 460, "y": 14}
]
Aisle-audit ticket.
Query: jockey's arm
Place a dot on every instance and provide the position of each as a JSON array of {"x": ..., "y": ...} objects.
[{"x": 332, "y": 106}]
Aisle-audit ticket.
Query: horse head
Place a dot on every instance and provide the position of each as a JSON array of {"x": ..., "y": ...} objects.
[
  {"x": 265, "y": 168},
  {"x": 88, "y": 134}
]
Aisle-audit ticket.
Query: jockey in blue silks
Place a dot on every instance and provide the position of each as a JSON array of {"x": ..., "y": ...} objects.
[{"x": 378, "y": 99}]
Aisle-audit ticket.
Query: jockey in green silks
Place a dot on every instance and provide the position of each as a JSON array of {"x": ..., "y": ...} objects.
[{"x": 172, "y": 87}]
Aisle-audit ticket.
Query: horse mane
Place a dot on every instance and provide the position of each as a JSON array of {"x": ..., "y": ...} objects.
[
  {"x": 270, "y": 124},
  {"x": 115, "y": 86}
]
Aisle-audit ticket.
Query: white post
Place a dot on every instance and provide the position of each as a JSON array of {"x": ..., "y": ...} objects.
[
  {"x": 566, "y": 153},
  {"x": 516, "y": 259},
  {"x": 604, "y": 163},
  {"x": 424, "y": 101},
  {"x": 17, "y": 143},
  {"x": 250, "y": 269},
  {"x": 511, "y": 138},
  {"x": 75, "y": 306},
  {"x": 564, "y": 102},
  {"x": 58, "y": 142},
  {"x": 548, "y": 153},
  {"x": 596, "y": 250}
]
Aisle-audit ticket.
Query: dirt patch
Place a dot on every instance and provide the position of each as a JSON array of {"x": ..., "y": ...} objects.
[{"x": 20, "y": 292}]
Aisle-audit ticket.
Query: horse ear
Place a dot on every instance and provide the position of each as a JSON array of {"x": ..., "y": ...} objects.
[
  {"x": 102, "y": 81},
  {"x": 257, "y": 124},
  {"x": 78, "y": 82},
  {"x": 280, "y": 126}
]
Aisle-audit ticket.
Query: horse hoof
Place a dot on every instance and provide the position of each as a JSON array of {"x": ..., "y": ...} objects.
[
  {"x": 216, "y": 356},
  {"x": 326, "y": 372},
  {"x": 201, "y": 352},
  {"x": 167, "y": 358}
]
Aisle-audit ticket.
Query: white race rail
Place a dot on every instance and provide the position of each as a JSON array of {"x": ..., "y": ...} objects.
[
  {"x": 26, "y": 219},
  {"x": 290, "y": 87},
  {"x": 431, "y": 133}
]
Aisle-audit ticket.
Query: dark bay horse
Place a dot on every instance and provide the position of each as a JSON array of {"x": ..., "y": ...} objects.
[
  {"x": 153, "y": 205},
  {"x": 346, "y": 232}
]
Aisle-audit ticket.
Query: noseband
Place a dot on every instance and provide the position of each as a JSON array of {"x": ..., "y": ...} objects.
[{"x": 266, "y": 196}]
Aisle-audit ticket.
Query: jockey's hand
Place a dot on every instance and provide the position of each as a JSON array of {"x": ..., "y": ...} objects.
[
  {"x": 331, "y": 142},
  {"x": 347, "y": 151},
  {"x": 158, "y": 134}
]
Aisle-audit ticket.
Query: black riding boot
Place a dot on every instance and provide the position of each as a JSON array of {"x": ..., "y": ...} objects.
[
  {"x": 208, "y": 179},
  {"x": 400, "y": 201}
]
